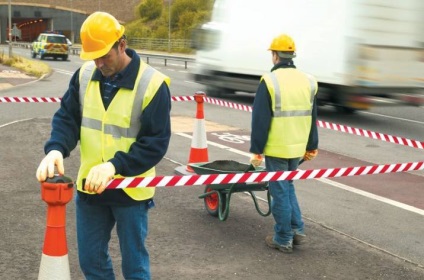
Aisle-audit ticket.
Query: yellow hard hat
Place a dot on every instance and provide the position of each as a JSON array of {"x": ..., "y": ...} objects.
[
  {"x": 98, "y": 34},
  {"x": 282, "y": 43}
]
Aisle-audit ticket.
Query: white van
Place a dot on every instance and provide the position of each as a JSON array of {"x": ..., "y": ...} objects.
[{"x": 362, "y": 52}]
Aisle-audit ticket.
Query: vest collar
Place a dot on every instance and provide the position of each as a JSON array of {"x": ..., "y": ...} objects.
[{"x": 284, "y": 64}]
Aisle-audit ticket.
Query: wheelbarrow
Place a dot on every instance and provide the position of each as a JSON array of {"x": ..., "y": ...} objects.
[{"x": 217, "y": 196}]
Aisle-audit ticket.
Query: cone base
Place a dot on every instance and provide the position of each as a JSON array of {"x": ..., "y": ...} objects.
[
  {"x": 54, "y": 268},
  {"x": 182, "y": 170}
]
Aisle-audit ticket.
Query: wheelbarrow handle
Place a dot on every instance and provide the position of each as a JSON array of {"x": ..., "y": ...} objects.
[{"x": 250, "y": 168}]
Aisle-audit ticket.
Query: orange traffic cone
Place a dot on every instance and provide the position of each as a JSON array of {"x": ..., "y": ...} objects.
[
  {"x": 199, "y": 145},
  {"x": 56, "y": 192}
]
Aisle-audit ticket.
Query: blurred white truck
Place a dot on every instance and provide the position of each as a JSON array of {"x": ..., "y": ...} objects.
[{"x": 362, "y": 52}]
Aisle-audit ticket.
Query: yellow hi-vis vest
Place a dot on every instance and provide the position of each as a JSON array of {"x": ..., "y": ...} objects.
[
  {"x": 105, "y": 132},
  {"x": 292, "y": 96}
]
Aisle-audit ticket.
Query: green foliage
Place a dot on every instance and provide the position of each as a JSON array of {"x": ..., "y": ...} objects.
[
  {"x": 137, "y": 29},
  {"x": 181, "y": 7},
  {"x": 185, "y": 23},
  {"x": 161, "y": 32},
  {"x": 150, "y": 9},
  {"x": 154, "y": 21}
]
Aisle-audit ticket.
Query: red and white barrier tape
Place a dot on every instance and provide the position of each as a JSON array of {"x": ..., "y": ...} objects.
[
  {"x": 29, "y": 99},
  {"x": 232, "y": 105},
  {"x": 337, "y": 127},
  {"x": 343, "y": 128},
  {"x": 257, "y": 177},
  {"x": 182, "y": 98},
  {"x": 373, "y": 135},
  {"x": 260, "y": 177}
]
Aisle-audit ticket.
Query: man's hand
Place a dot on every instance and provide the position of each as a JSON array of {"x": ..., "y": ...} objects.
[
  {"x": 256, "y": 160},
  {"x": 310, "y": 155},
  {"x": 98, "y": 177},
  {"x": 46, "y": 168}
]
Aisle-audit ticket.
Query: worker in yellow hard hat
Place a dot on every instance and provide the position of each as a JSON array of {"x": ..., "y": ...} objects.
[
  {"x": 284, "y": 131},
  {"x": 118, "y": 108},
  {"x": 283, "y": 46},
  {"x": 98, "y": 34}
]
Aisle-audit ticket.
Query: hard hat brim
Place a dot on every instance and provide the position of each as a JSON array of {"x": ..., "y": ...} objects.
[{"x": 97, "y": 54}]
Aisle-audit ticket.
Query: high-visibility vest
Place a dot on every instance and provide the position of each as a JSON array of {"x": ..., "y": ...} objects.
[
  {"x": 292, "y": 95},
  {"x": 105, "y": 132}
]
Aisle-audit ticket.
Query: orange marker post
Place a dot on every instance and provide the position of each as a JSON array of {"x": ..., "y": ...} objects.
[{"x": 56, "y": 192}]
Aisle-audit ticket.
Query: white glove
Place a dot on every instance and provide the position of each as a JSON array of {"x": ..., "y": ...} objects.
[
  {"x": 46, "y": 168},
  {"x": 256, "y": 160},
  {"x": 98, "y": 177}
]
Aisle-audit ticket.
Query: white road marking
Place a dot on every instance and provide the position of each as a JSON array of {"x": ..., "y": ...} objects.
[
  {"x": 326, "y": 181},
  {"x": 373, "y": 196},
  {"x": 62, "y": 71},
  {"x": 23, "y": 120},
  {"x": 395, "y": 118},
  {"x": 323, "y": 180}
]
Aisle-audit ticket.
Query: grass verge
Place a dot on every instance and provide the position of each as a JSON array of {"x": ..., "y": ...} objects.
[{"x": 29, "y": 67}]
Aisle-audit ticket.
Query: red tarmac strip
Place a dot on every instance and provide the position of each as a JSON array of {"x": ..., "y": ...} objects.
[{"x": 402, "y": 187}]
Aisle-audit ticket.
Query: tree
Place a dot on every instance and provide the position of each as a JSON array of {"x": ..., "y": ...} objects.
[
  {"x": 154, "y": 21},
  {"x": 186, "y": 15},
  {"x": 150, "y": 9},
  {"x": 185, "y": 24}
]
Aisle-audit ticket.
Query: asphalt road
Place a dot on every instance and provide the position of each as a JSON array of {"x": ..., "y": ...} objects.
[{"x": 354, "y": 233}]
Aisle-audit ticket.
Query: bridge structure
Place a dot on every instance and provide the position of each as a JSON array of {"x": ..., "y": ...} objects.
[{"x": 31, "y": 17}]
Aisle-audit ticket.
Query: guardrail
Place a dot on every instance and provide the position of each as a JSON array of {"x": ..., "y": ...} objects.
[
  {"x": 160, "y": 44},
  {"x": 148, "y": 56},
  {"x": 186, "y": 60}
]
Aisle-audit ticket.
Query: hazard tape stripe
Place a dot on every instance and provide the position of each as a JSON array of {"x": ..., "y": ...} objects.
[
  {"x": 253, "y": 177},
  {"x": 29, "y": 99},
  {"x": 371, "y": 134},
  {"x": 337, "y": 127},
  {"x": 261, "y": 177}
]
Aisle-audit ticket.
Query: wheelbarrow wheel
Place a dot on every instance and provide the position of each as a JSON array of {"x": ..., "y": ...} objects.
[{"x": 212, "y": 202}]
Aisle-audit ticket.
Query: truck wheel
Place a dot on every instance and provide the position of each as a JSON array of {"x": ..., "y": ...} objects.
[
  {"x": 345, "y": 110},
  {"x": 218, "y": 92},
  {"x": 213, "y": 92}
]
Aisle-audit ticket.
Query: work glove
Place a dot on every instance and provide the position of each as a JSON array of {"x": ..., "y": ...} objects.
[
  {"x": 98, "y": 177},
  {"x": 256, "y": 160},
  {"x": 310, "y": 155},
  {"x": 46, "y": 168}
]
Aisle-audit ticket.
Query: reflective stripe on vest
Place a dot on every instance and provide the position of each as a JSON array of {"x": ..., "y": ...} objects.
[
  {"x": 292, "y": 94},
  {"x": 116, "y": 131},
  {"x": 105, "y": 132},
  {"x": 293, "y": 113}
]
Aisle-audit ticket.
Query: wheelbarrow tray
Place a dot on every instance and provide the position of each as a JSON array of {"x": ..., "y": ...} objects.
[
  {"x": 220, "y": 167},
  {"x": 226, "y": 167},
  {"x": 217, "y": 196}
]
